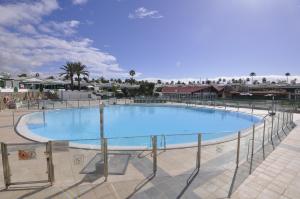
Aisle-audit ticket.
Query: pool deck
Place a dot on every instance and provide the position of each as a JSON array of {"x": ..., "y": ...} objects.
[{"x": 277, "y": 177}]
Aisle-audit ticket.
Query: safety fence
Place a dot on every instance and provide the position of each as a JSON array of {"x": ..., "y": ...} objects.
[
  {"x": 218, "y": 102},
  {"x": 199, "y": 163}
]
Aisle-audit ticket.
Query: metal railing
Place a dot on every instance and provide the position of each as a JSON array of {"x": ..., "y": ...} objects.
[{"x": 155, "y": 153}]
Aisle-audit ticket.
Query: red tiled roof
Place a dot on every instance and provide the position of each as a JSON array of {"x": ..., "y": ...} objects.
[
  {"x": 183, "y": 89},
  {"x": 219, "y": 88}
]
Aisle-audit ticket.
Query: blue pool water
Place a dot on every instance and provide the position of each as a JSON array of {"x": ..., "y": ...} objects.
[{"x": 138, "y": 120}]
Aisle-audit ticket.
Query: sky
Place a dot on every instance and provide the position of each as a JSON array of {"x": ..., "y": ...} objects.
[{"x": 164, "y": 39}]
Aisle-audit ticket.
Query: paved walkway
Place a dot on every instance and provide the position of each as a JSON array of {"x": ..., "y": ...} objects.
[{"x": 279, "y": 175}]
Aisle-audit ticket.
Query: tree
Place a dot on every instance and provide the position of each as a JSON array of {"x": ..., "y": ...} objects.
[
  {"x": 287, "y": 77},
  {"x": 68, "y": 72},
  {"x": 80, "y": 70},
  {"x": 264, "y": 80},
  {"x": 159, "y": 81},
  {"x": 37, "y": 74},
  {"x": 50, "y": 77},
  {"x": 252, "y": 75},
  {"x": 132, "y": 74},
  {"x": 22, "y": 75}
]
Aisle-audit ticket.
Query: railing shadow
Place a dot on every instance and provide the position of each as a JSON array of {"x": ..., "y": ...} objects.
[
  {"x": 141, "y": 185},
  {"x": 188, "y": 182}
]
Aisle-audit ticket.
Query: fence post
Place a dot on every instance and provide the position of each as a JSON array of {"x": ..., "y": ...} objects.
[
  {"x": 77, "y": 103},
  {"x": 66, "y": 103},
  {"x": 199, "y": 151},
  {"x": 278, "y": 124},
  {"x": 13, "y": 118},
  {"x": 101, "y": 123},
  {"x": 252, "y": 149},
  {"x": 44, "y": 117},
  {"x": 272, "y": 128},
  {"x": 238, "y": 149},
  {"x": 5, "y": 164},
  {"x": 283, "y": 123},
  {"x": 252, "y": 109},
  {"x": 38, "y": 103},
  {"x": 263, "y": 139},
  {"x": 154, "y": 152},
  {"x": 89, "y": 103},
  {"x": 28, "y": 104},
  {"x": 50, "y": 167},
  {"x": 105, "y": 158}
]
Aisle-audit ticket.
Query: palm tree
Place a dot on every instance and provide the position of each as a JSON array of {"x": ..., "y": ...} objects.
[
  {"x": 80, "y": 69},
  {"x": 252, "y": 75},
  {"x": 22, "y": 75},
  {"x": 264, "y": 80},
  {"x": 132, "y": 73},
  {"x": 68, "y": 72},
  {"x": 287, "y": 77}
]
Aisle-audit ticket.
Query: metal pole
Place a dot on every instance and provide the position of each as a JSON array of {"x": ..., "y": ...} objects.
[
  {"x": 263, "y": 139},
  {"x": 13, "y": 117},
  {"x": 278, "y": 119},
  {"x": 105, "y": 158},
  {"x": 5, "y": 164},
  {"x": 66, "y": 104},
  {"x": 89, "y": 103},
  {"x": 101, "y": 107},
  {"x": 238, "y": 149},
  {"x": 50, "y": 166},
  {"x": 199, "y": 151},
  {"x": 252, "y": 150},
  {"x": 38, "y": 104},
  {"x": 283, "y": 123},
  {"x": 252, "y": 109},
  {"x": 44, "y": 117},
  {"x": 154, "y": 152},
  {"x": 77, "y": 103},
  {"x": 28, "y": 104},
  {"x": 272, "y": 127}
]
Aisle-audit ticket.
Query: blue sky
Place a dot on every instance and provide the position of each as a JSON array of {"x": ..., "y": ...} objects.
[{"x": 158, "y": 38}]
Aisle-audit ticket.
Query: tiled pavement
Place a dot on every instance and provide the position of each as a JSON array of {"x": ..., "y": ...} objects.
[{"x": 278, "y": 176}]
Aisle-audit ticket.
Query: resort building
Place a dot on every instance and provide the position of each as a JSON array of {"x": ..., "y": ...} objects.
[{"x": 195, "y": 91}]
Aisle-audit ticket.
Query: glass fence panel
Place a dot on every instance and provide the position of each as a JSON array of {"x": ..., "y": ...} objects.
[
  {"x": 133, "y": 164},
  {"x": 177, "y": 162},
  {"x": 27, "y": 162},
  {"x": 2, "y": 183},
  {"x": 74, "y": 166},
  {"x": 218, "y": 163}
]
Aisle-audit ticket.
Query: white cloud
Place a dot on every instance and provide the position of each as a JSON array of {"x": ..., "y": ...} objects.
[
  {"x": 27, "y": 28},
  {"x": 142, "y": 12},
  {"x": 178, "y": 64},
  {"x": 79, "y": 2},
  {"x": 228, "y": 78},
  {"x": 28, "y": 43},
  {"x": 57, "y": 28},
  {"x": 19, "y": 13}
]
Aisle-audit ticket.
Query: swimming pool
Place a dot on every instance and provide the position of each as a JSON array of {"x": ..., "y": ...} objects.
[{"x": 138, "y": 122}]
